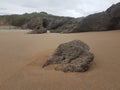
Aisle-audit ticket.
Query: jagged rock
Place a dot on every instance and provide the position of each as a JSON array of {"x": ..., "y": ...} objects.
[
  {"x": 114, "y": 10},
  {"x": 73, "y": 56},
  {"x": 114, "y": 13},
  {"x": 95, "y": 22},
  {"x": 47, "y": 22},
  {"x": 70, "y": 25},
  {"x": 102, "y": 21},
  {"x": 38, "y": 26}
]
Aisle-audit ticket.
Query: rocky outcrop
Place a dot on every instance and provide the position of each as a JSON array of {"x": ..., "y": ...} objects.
[
  {"x": 73, "y": 56},
  {"x": 54, "y": 24},
  {"x": 108, "y": 20},
  {"x": 95, "y": 22},
  {"x": 69, "y": 27},
  {"x": 37, "y": 25},
  {"x": 103, "y": 21},
  {"x": 40, "y": 22},
  {"x": 114, "y": 10},
  {"x": 114, "y": 13},
  {"x": 48, "y": 22}
]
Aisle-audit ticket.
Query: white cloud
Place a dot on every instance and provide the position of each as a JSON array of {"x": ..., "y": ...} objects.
[{"x": 74, "y": 8}]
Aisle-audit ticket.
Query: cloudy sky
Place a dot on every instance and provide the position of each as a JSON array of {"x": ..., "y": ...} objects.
[{"x": 74, "y": 8}]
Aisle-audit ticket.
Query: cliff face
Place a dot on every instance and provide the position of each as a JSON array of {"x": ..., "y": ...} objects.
[
  {"x": 114, "y": 13},
  {"x": 38, "y": 22},
  {"x": 107, "y": 20},
  {"x": 94, "y": 22},
  {"x": 57, "y": 25},
  {"x": 47, "y": 22}
]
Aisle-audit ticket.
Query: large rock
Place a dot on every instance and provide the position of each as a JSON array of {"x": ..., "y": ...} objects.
[
  {"x": 73, "y": 56},
  {"x": 38, "y": 25},
  {"x": 41, "y": 22},
  {"x": 94, "y": 22},
  {"x": 103, "y": 21},
  {"x": 114, "y": 13},
  {"x": 48, "y": 22},
  {"x": 71, "y": 25},
  {"x": 114, "y": 10}
]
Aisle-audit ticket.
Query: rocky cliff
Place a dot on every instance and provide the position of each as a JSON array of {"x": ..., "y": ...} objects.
[
  {"x": 107, "y": 20},
  {"x": 41, "y": 22}
]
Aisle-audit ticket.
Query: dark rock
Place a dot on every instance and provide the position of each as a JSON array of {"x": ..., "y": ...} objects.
[
  {"x": 48, "y": 22},
  {"x": 38, "y": 26},
  {"x": 73, "y": 56},
  {"x": 102, "y": 21},
  {"x": 95, "y": 22},
  {"x": 56, "y": 23},
  {"x": 71, "y": 25},
  {"x": 41, "y": 22},
  {"x": 114, "y": 13},
  {"x": 114, "y": 10}
]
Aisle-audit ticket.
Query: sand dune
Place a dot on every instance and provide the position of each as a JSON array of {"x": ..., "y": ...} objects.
[{"x": 22, "y": 55}]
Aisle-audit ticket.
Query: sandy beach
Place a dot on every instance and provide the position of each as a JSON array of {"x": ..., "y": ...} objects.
[{"x": 22, "y": 56}]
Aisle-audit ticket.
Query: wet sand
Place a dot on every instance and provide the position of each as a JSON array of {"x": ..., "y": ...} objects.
[{"x": 22, "y": 55}]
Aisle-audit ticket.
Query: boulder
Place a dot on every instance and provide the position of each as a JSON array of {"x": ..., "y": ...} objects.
[
  {"x": 38, "y": 25},
  {"x": 114, "y": 10},
  {"x": 114, "y": 13},
  {"x": 73, "y": 56}
]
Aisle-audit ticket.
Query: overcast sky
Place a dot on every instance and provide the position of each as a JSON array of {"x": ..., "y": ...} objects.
[{"x": 74, "y": 8}]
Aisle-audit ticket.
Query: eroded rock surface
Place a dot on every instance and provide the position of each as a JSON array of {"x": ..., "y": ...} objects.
[
  {"x": 73, "y": 56},
  {"x": 41, "y": 22}
]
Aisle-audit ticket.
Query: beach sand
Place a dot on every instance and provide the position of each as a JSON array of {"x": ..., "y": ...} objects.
[{"x": 22, "y": 56}]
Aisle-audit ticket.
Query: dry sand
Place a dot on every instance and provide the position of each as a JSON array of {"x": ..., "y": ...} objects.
[{"x": 22, "y": 55}]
